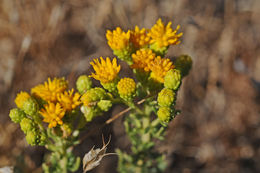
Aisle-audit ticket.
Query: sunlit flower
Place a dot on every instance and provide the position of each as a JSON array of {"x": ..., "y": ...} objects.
[
  {"x": 53, "y": 114},
  {"x": 139, "y": 37},
  {"x": 163, "y": 35},
  {"x": 51, "y": 89},
  {"x": 68, "y": 100},
  {"x": 159, "y": 67},
  {"x": 142, "y": 58},
  {"x": 106, "y": 71},
  {"x": 117, "y": 39},
  {"x": 21, "y": 98},
  {"x": 126, "y": 88}
]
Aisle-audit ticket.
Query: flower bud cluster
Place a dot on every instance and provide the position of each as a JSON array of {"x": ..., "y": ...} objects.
[
  {"x": 48, "y": 102},
  {"x": 167, "y": 96},
  {"x": 142, "y": 49},
  {"x": 25, "y": 114},
  {"x": 94, "y": 102}
]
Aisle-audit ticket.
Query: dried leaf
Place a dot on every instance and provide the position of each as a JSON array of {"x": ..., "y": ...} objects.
[{"x": 93, "y": 158}]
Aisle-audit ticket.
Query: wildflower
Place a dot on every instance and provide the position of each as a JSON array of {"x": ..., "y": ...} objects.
[
  {"x": 53, "y": 114},
  {"x": 172, "y": 79},
  {"x": 164, "y": 36},
  {"x": 69, "y": 101},
  {"x": 50, "y": 90},
  {"x": 119, "y": 42},
  {"x": 27, "y": 125},
  {"x": 30, "y": 106},
  {"x": 164, "y": 114},
  {"x": 16, "y": 115},
  {"x": 118, "y": 39},
  {"x": 106, "y": 71},
  {"x": 126, "y": 88},
  {"x": 142, "y": 59},
  {"x": 93, "y": 95},
  {"x": 83, "y": 84},
  {"x": 33, "y": 137},
  {"x": 183, "y": 63},
  {"x": 159, "y": 67},
  {"x": 166, "y": 97},
  {"x": 139, "y": 37},
  {"x": 21, "y": 98}
]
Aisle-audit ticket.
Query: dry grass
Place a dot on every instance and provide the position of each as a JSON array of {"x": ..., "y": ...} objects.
[{"x": 219, "y": 128}]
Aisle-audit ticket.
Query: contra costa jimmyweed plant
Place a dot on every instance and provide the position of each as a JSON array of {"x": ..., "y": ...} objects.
[{"x": 52, "y": 115}]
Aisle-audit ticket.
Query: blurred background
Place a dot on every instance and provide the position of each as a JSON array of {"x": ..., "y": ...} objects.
[{"x": 219, "y": 127}]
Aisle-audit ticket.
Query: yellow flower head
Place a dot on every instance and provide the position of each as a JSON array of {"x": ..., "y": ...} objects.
[
  {"x": 139, "y": 37},
  {"x": 106, "y": 71},
  {"x": 164, "y": 35},
  {"x": 118, "y": 39},
  {"x": 21, "y": 98},
  {"x": 51, "y": 89},
  {"x": 159, "y": 67},
  {"x": 142, "y": 58},
  {"x": 126, "y": 87},
  {"x": 68, "y": 100},
  {"x": 53, "y": 114}
]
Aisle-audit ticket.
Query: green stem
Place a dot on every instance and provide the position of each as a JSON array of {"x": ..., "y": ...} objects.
[{"x": 137, "y": 109}]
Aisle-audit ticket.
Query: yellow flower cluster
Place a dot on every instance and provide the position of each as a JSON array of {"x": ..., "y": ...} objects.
[
  {"x": 106, "y": 71},
  {"x": 139, "y": 37},
  {"x": 159, "y": 34},
  {"x": 146, "y": 60},
  {"x": 146, "y": 44},
  {"x": 68, "y": 100},
  {"x": 159, "y": 67},
  {"x": 126, "y": 88},
  {"x": 118, "y": 39},
  {"x": 163, "y": 35},
  {"x": 53, "y": 114},
  {"x": 49, "y": 90},
  {"x": 58, "y": 100},
  {"x": 142, "y": 59},
  {"x": 21, "y": 98}
]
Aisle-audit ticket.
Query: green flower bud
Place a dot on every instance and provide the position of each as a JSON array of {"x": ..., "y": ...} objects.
[
  {"x": 104, "y": 105},
  {"x": 125, "y": 54},
  {"x": 93, "y": 95},
  {"x": 164, "y": 114},
  {"x": 30, "y": 107},
  {"x": 32, "y": 137},
  {"x": 66, "y": 129},
  {"x": 126, "y": 88},
  {"x": 184, "y": 64},
  {"x": 166, "y": 97},
  {"x": 27, "y": 125},
  {"x": 111, "y": 86},
  {"x": 172, "y": 79},
  {"x": 16, "y": 115},
  {"x": 160, "y": 51},
  {"x": 90, "y": 112},
  {"x": 43, "y": 139},
  {"x": 83, "y": 84}
]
